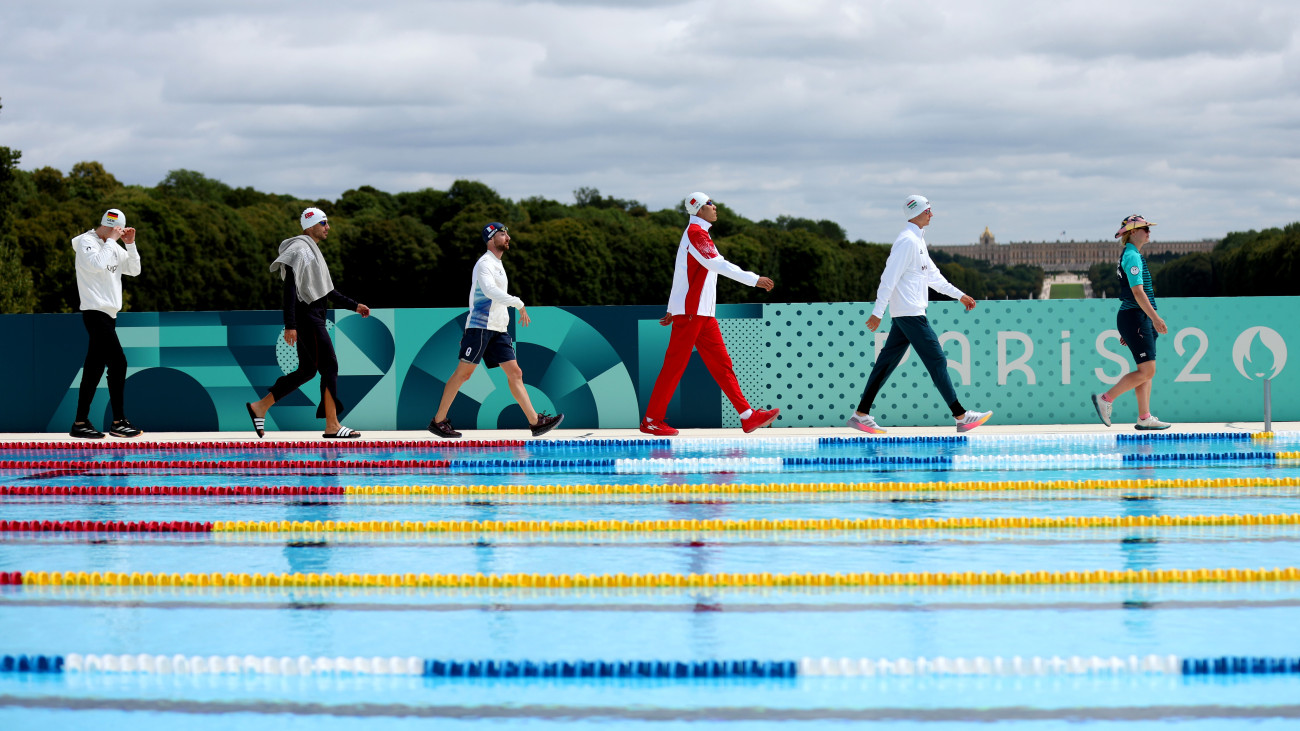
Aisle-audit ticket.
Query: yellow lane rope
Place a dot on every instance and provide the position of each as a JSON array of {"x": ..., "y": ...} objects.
[
  {"x": 662, "y": 580},
  {"x": 816, "y": 487},
  {"x": 815, "y": 524}
]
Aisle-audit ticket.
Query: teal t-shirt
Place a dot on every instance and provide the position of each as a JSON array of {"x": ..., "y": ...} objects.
[{"x": 1133, "y": 268}]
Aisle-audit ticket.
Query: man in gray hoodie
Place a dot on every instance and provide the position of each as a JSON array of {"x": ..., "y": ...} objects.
[{"x": 307, "y": 284}]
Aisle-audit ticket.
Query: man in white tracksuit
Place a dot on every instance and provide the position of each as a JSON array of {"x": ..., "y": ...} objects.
[
  {"x": 692, "y": 309},
  {"x": 100, "y": 264},
  {"x": 486, "y": 337},
  {"x": 909, "y": 275}
]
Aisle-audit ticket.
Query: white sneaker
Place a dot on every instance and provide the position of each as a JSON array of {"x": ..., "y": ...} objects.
[
  {"x": 866, "y": 424},
  {"x": 1151, "y": 423},
  {"x": 1103, "y": 408},
  {"x": 972, "y": 419}
]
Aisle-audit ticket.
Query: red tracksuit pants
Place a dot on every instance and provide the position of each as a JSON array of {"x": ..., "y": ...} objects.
[{"x": 703, "y": 334}]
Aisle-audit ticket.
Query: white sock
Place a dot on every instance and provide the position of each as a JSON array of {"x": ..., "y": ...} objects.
[{"x": 748, "y": 413}]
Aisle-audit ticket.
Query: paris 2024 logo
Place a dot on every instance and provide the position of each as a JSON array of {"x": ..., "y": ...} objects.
[{"x": 1258, "y": 365}]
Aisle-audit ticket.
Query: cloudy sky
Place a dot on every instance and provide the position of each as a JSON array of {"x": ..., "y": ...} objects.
[{"x": 1031, "y": 118}]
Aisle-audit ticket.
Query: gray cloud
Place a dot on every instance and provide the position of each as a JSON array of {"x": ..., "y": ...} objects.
[{"x": 1029, "y": 119}]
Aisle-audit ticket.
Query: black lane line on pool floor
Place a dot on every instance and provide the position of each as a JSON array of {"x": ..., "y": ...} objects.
[
  {"x": 685, "y": 608},
  {"x": 717, "y": 713}
]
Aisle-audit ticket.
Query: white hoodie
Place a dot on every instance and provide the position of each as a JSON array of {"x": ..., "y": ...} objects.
[
  {"x": 909, "y": 275},
  {"x": 100, "y": 266}
]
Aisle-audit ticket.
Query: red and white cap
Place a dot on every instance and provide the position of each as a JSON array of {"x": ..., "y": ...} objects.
[
  {"x": 113, "y": 218},
  {"x": 311, "y": 217},
  {"x": 695, "y": 201}
]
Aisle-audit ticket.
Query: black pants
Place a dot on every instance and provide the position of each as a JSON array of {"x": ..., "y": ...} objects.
[
  {"x": 315, "y": 354},
  {"x": 914, "y": 331},
  {"x": 105, "y": 351}
]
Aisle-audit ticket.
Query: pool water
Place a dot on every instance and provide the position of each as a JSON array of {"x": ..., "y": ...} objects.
[{"x": 960, "y": 649}]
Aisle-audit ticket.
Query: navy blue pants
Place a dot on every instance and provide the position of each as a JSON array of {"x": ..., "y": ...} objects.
[{"x": 917, "y": 333}]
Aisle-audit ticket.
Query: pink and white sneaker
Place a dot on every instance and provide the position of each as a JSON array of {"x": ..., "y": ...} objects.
[
  {"x": 972, "y": 419},
  {"x": 865, "y": 423}
]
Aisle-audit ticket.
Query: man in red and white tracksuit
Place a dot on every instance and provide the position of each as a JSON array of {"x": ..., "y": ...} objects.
[{"x": 691, "y": 308}]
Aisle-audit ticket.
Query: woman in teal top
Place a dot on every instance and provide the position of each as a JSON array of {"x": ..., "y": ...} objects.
[{"x": 1138, "y": 323}]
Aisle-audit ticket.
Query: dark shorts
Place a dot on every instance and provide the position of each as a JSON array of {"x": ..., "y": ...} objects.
[
  {"x": 1136, "y": 329},
  {"x": 489, "y": 346}
]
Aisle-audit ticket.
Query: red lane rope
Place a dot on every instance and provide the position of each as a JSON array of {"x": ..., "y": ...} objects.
[
  {"x": 222, "y": 464},
  {"x": 204, "y": 490},
  {"x": 118, "y": 446},
  {"x": 11, "y": 578},
  {"x": 108, "y": 526}
]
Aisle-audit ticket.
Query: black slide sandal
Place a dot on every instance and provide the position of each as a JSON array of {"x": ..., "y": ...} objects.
[{"x": 259, "y": 422}]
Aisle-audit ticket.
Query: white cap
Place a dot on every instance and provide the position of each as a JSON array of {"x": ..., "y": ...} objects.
[
  {"x": 915, "y": 206},
  {"x": 695, "y": 202},
  {"x": 113, "y": 218},
  {"x": 311, "y": 217}
]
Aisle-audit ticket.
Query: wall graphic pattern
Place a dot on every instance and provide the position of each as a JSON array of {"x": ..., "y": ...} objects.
[{"x": 1033, "y": 362}]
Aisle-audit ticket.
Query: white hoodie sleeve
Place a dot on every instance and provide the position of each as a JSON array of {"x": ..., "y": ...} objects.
[
  {"x": 487, "y": 284},
  {"x": 900, "y": 258},
  {"x": 940, "y": 284},
  {"x": 95, "y": 255},
  {"x": 131, "y": 265},
  {"x": 720, "y": 265}
]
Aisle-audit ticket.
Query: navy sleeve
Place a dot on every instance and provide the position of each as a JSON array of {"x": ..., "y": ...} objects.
[
  {"x": 290, "y": 300},
  {"x": 343, "y": 301}
]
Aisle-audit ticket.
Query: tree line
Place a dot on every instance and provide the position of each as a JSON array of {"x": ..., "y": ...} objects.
[
  {"x": 208, "y": 246},
  {"x": 1250, "y": 263}
]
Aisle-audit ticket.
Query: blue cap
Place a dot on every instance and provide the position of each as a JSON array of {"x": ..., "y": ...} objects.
[{"x": 491, "y": 230}]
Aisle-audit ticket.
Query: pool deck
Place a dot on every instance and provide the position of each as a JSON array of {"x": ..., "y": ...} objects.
[{"x": 498, "y": 434}]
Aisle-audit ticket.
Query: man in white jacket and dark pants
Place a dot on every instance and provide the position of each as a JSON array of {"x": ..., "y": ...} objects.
[
  {"x": 487, "y": 338},
  {"x": 904, "y": 289},
  {"x": 100, "y": 264}
]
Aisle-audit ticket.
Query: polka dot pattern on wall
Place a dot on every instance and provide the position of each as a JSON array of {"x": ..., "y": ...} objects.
[
  {"x": 1030, "y": 361},
  {"x": 815, "y": 358},
  {"x": 745, "y": 343},
  {"x": 286, "y": 355}
]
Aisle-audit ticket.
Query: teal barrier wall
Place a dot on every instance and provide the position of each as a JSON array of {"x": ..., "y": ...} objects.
[{"x": 1033, "y": 362}]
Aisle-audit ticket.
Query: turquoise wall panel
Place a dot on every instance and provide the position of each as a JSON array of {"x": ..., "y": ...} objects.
[{"x": 1033, "y": 362}]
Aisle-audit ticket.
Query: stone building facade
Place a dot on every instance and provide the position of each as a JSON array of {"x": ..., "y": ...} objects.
[{"x": 1061, "y": 256}]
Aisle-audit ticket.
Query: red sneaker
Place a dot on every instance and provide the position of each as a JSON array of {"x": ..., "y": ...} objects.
[
  {"x": 759, "y": 419},
  {"x": 657, "y": 428}
]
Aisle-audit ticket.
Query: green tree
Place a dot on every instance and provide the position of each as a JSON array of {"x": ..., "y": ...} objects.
[
  {"x": 390, "y": 262},
  {"x": 561, "y": 262},
  {"x": 17, "y": 293},
  {"x": 1191, "y": 275}
]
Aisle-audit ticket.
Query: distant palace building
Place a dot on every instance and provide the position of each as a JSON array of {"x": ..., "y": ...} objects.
[{"x": 1063, "y": 256}]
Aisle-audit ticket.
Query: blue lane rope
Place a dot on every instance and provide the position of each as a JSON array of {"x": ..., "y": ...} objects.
[{"x": 661, "y": 669}]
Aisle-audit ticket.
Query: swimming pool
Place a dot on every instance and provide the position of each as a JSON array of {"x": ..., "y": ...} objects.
[{"x": 1046, "y": 578}]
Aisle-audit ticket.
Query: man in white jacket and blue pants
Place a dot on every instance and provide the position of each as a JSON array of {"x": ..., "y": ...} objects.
[
  {"x": 904, "y": 289},
  {"x": 100, "y": 263}
]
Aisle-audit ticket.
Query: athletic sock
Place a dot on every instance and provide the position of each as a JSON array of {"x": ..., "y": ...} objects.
[
  {"x": 747, "y": 413},
  {"x": 1143, "y": 417},
  {"x": 1107, "y": 399}
]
